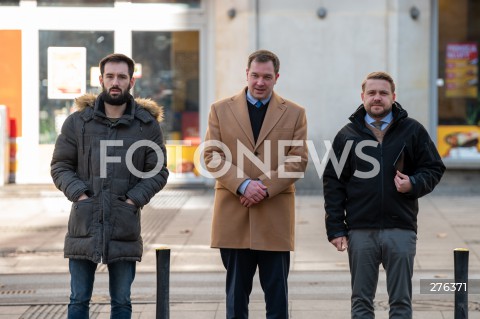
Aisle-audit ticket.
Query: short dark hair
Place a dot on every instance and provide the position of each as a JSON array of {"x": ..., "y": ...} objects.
[
  {"x": 117, "y": 57},
  {"x": 379, "y": 75},
  {"x": 264, "y": 56}
]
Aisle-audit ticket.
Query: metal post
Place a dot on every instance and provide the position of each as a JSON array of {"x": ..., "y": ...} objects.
[
  {"x": 163, "y": 283},
  {"x": 460, "y": 257}
]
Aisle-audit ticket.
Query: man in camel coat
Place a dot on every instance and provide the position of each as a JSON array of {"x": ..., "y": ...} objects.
[{"x": 256, "y": 150}]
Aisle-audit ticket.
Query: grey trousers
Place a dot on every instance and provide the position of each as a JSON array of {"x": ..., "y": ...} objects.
[{"x": 393, "y": 248}]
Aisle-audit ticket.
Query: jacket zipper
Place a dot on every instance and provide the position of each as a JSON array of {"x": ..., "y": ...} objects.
[
  {"x": 89, "y": 162},
  {"x": 382, "y": 191}
]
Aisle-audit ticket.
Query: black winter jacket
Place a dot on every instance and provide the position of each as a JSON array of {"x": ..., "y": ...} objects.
[
  {"x": 353, "y": 201},
  {"x": 104, "y": 228}
]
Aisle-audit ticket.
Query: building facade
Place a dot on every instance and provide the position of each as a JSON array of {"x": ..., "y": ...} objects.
[{"x": 190, "y": 53}]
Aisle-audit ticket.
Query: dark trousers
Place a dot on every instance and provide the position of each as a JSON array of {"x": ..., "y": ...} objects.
[
  {"x": 241, "y": 265},
  {"x": 394, "y": 249}
]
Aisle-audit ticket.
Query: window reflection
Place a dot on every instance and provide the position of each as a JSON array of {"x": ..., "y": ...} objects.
[
  {"x": 458, "y": 83},
  {"x": 9, "y": 2},
  {"x": 170, "y": 76},
  {"x": 52, "y": 110},
  {"x": 190, "y": 3},
  {"x": 75, "y": 3},
  {"x": 194, "y": 4}
]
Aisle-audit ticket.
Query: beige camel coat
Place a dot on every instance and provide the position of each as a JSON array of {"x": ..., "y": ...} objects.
[{"x": 270, "y": 224}]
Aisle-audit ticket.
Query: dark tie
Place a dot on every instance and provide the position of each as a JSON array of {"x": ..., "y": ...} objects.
[
  {"x": 259, "y": 104},
  {"x": 378, "y": 124}
]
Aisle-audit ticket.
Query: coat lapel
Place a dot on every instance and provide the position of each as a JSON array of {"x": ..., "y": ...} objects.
[
  {"x": 238, "y": 106},
  {"x": 275, "y": 110}
]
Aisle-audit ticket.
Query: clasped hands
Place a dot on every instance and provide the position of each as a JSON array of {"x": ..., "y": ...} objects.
[{"x": 254, "y": 193}]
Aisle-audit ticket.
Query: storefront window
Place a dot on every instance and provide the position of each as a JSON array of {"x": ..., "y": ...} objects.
[
  {"x": 75, "y": 3},
  {"x": 169, "y": 64},
  {"x": 193, "y": 4},
  {"x": 68, "y": 68},
  {"x": 9, "y": 2},
  {"x": 458, "y": 84}
]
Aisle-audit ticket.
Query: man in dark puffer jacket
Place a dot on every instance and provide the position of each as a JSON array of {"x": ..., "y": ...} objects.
[
  {"x": 371, "y": 203},
  {"x": 109, "y": 160}
]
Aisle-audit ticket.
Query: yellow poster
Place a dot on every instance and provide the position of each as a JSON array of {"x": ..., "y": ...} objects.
[
  {"x": 180, "y": 159},
  {"x": 459, "y": 142},
  {"x": 461, "y": 74}
]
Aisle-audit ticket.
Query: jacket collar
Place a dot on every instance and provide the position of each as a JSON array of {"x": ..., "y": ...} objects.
[
  {"x": 358, "y": 117},
  {"x": 146, "y": 110},
  {"x": 99, "y": 110},
  {"x": 238, "y": 106}
]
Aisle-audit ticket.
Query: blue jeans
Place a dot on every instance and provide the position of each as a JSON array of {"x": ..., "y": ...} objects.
[{"x": 82, "y": 276}]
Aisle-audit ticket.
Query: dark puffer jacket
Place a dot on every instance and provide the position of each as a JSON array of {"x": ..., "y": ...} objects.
[
  {"x": 353, "y": 201},
  {"x": 104, "y": 228}
]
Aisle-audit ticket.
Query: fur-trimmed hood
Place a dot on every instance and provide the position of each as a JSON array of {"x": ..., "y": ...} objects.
[{"x": 88, "y": 100}]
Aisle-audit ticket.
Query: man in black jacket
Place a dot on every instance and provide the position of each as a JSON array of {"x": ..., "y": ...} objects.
[
  {"x": 109, "y": 160},
  {"x": 371, "y": 202}
]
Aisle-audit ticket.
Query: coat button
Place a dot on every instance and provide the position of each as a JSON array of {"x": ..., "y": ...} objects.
[{"x": 256, "y": 153}]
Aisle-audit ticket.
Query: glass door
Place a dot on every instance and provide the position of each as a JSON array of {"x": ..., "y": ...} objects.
[{"x": 168, "y": 72}]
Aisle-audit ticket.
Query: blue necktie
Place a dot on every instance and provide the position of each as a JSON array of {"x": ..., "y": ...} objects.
[{"x": 259, "y": 104}]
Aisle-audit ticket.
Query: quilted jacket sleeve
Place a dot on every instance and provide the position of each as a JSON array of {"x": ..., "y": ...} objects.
[
  {"x": 142, "y": 192},
  {"x": 63, "y": 167}
]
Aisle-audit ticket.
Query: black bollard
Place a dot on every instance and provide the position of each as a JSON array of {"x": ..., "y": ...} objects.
[
  {"x": 163, "y": 283},
  {"x": 460, "y": 257}
]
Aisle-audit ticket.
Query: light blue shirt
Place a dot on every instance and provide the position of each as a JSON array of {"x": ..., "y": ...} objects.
[
  {"x": 386, "y": 120},
  {"x": 243, "y": 186},
  {"x": 251, "y": 99}
]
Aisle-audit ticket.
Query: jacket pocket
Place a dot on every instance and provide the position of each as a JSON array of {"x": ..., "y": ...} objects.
[
  {"x": 81, "y": 218},
  {"x": 126, "y": 221}
]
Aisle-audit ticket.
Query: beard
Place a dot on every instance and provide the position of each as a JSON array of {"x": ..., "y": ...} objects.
[
  {"x": 379, "y": 114},
  {"x": 115, "y": 100}
]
